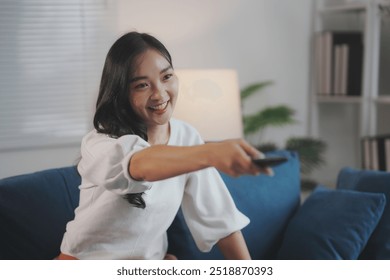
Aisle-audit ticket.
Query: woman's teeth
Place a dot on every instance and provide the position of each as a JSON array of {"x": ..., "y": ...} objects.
[{"x": 161, "y": 106}]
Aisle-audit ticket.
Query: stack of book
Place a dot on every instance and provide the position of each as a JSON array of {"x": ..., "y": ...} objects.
[
  {"x": 339, "y": 62},
  {"x": 376, "y": 152}
]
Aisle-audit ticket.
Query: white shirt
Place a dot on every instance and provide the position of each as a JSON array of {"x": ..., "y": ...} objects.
[{"x": 106, "y": 226}]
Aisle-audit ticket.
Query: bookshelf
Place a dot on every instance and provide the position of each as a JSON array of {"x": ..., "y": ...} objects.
[{"x": 340, "y": 117}]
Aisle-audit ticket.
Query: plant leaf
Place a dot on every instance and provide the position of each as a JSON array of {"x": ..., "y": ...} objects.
[
  {"x": 272, "y": 116},
  {"x": 253, "y": 88},
  {"x": 310, "y": 150},
  {"x": 267, "y": 147}
]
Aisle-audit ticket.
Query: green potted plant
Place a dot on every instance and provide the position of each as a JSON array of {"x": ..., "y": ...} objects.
[{"x": 310, "y": 150}]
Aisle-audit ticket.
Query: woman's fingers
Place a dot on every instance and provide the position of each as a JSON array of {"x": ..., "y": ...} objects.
[
  {"x": 251, "y": 151},
  {"x": 242, "y": 163},
  {"x": 255, "y": 154}
]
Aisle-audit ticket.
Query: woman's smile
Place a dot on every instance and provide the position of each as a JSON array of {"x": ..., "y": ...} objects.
[{"x": 159, "y": 108}]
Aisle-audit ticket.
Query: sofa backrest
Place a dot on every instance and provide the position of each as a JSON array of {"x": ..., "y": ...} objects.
[{"x": 34, "y": 210}]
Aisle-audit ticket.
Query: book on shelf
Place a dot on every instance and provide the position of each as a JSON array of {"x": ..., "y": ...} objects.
[
  {"x": 340, "y": 72},
  {"x": 339, "y": 62},
  {"x": 376, "y": 152}
]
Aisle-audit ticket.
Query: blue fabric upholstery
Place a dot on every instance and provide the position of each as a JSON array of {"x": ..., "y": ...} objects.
[
  {"x": 378, "y": 247},
  {"x": 332, "y": 225},
  {"x": 269, "y": 202},
  {"x": 34, "y": 209}
]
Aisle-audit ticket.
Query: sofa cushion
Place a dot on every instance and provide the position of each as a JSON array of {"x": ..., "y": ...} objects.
[
  {"x": 269, "y": 202},
  {"x": 332, "y": 225},
  {"x": 34, "y": 210},
  {"x": 378, "y": 247}
]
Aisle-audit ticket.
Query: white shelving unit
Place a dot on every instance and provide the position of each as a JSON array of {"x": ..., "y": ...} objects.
[{"x": 342, "y": 121}]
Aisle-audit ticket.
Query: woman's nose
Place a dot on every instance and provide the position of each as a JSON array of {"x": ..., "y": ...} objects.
[{"x": 158, "y": 91}]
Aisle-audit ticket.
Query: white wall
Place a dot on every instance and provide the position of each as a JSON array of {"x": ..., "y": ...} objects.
[{"x": 261, "y": 39}]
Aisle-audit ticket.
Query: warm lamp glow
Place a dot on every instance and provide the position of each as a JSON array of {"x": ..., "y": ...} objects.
[{"x": 210, "y": 101}]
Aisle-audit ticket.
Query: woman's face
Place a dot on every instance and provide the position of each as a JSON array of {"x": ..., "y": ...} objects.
[{"x": 153, "y": 90}]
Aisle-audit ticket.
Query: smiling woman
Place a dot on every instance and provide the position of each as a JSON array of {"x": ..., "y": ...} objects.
[{"x": 139, "y": 166}]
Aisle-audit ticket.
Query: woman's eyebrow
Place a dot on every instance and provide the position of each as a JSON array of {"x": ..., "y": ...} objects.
[
  {"x": 138, "y": 78},
  {"x": 145, "y": 77},
  {"x": 166, "y": 69}
]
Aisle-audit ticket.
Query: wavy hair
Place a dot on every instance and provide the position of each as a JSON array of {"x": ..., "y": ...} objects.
[{"x": 114, "y": 115}]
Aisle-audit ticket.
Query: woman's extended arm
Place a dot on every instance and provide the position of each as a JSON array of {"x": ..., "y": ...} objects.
[
  {"x": 233, "y": 157},
  {"x": 233, "y": 247}
]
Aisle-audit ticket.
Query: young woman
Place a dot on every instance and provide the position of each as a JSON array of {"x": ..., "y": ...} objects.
[{"x": 139, "y": 166}]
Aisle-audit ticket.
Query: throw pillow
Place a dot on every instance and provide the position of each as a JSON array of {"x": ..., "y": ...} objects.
[
  {"x": 332, "y": 225},
  {"x": 378, "y": 246}
]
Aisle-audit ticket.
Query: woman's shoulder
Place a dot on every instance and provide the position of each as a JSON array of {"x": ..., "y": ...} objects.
[
  {"x": 96, "y": 142},
  {"x": 94, "y": 138}
]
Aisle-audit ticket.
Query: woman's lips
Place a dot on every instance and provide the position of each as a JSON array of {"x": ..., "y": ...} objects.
[{"x": 159, "y": 107}]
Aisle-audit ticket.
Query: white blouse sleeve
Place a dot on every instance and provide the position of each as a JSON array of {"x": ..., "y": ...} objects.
[
  {"x": 209, "y": 209},
  {"x": 105, "y": 161}
]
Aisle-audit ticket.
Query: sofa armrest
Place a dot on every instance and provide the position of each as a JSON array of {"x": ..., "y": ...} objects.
[{"x": 34, "y": 210}]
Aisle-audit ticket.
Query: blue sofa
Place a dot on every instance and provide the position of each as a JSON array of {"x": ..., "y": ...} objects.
[{"x": 347, "y": 223}]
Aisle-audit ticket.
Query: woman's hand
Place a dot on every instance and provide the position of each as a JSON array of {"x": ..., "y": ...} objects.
[{"x": 234, "y": 157}]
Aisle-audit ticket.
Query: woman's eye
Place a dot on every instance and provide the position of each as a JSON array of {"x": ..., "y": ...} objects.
[
  {"x": 141, "y": 86},
  {"x": 167, "y": 76}
]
